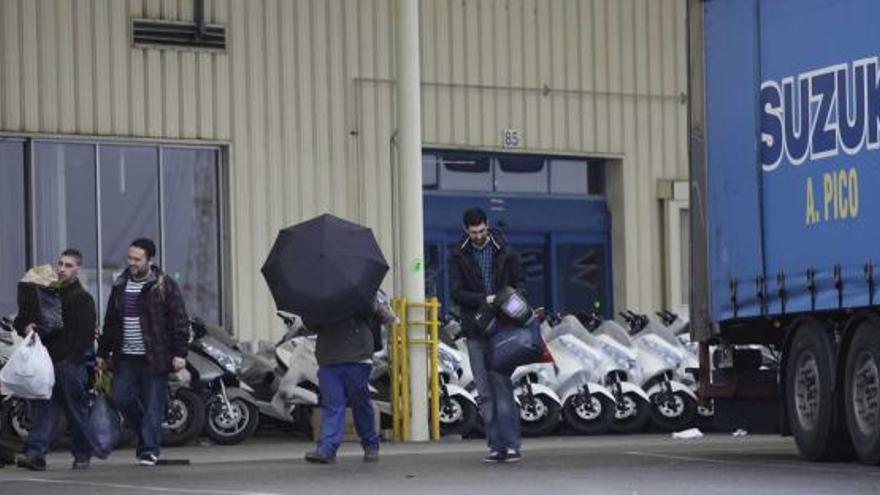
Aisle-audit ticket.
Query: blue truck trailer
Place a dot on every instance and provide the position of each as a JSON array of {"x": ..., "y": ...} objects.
[{"x": 785, "y": 211}]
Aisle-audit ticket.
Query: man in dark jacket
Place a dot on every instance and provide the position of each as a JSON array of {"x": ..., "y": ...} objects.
[
  {"x": 69, "y": 347},
  {"x": 146, "y": 333},
  {"x": 481, "y": 266},
  {"x": 344, "y": 351}
]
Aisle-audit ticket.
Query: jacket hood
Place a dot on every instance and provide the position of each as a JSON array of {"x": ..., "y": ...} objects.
[
  {"x": 496, "y": 237},
  {"x": 122, "y": 279}
]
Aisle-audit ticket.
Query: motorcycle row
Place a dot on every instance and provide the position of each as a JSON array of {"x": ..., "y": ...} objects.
[{"x": 605, "y": 377}]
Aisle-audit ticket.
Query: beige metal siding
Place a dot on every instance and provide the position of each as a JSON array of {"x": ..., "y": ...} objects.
[
  {"x": 585, "y": 77},
  {"x": 304, "y": 98}
]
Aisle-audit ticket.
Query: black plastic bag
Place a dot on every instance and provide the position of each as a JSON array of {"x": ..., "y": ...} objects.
[{"x": 42, "y": 304}]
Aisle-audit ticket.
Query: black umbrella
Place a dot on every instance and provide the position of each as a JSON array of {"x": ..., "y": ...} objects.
[{"x": 325, "y": 269}]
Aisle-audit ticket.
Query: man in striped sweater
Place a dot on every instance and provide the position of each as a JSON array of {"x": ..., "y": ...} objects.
[{"x": 146, "y": 333}]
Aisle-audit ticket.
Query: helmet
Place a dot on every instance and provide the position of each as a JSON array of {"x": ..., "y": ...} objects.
[{"x": 513, "y": 306}]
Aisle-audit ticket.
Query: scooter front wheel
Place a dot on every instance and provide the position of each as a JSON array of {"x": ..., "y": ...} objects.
[
  {"x": 673, "y": 412},
  {"x": 588, "y": 414},
  {"x": 184, "y": 418},
  {"x": 632, "y": 414},
  {"x": 539, "y": 415},
  {"x": 232, "y": 424},
  {"x": 457, "y": 416}
]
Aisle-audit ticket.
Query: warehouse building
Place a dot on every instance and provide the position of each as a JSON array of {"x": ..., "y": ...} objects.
[{"x": 210, "y": 125}]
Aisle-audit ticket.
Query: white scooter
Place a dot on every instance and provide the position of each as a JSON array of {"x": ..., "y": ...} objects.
[
  {"x": 286, "y": 389},
  {"x": 673, "y": 403},
  {"x": 588, "y": 406},
  {"x": 679, "y": 326},
  {"x": 620, "y": 371},
  {"x": 539, "y": 404},
  {"x": 458, "y": 407}
]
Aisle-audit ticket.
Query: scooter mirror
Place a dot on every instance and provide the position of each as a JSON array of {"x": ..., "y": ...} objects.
[{"x": 198, "y": 327}]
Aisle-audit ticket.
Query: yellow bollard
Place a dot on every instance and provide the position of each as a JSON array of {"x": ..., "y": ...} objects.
[{"x": 400, "y": 386}]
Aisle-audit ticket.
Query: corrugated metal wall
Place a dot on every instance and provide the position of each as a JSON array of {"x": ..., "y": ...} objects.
[{"x": 305, "y": 100}]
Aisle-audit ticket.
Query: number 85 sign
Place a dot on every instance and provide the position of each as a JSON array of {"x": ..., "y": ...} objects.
[{"x": 511, "y": 138}]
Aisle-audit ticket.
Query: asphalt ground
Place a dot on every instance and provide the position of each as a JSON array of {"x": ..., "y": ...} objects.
[{"x": 636, "y": 464}]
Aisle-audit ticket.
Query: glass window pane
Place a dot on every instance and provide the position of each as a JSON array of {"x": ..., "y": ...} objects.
[
  {"x": 129, "y": 205},
  {"x": 596, "y": 181},
  {"x": 568, "y": 177},
  {"x": 534, "y": 261},
  {"x": 521, "y": 174},
  {"x": 580, "y": 276},
  {"x": 191, "y": 213},
  {"x": 429, "y": 171},
  {"x": 465, "y": 172},
  {"x": 65, "y": 211},
  {"x": 13, "y": 258}
]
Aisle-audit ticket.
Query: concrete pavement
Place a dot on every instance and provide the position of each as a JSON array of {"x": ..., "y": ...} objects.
[{"x": 638, "y": 464}]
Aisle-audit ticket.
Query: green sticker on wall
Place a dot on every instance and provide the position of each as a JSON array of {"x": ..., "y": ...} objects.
[{"x": 417, "y": 265}]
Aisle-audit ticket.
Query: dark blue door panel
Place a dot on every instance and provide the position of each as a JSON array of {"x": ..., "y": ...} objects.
[{"x": 563, "y": 242}]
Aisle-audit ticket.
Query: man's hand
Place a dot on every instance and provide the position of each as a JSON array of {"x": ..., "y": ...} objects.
[
  {"x": 29, "y": 329},
  {"x": 178, "y": 363},
  {"x": 490, "y": 299},
  {"x": 100, "y": 364}
]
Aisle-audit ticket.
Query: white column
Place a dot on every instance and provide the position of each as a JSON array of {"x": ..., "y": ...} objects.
[{"x": 410, "y": 207}]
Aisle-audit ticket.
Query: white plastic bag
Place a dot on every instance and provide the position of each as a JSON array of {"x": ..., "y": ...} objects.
[
  {"x": 29, "y": 373},
  {"x": 689, "y": 434}
]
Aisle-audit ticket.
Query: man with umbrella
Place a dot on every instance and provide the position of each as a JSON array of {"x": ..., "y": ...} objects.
[{"x": 328, "y": 271}]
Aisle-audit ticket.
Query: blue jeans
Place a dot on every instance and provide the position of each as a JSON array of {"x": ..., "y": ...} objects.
[
  {"x": 495, "y": 400},
  {"x": 70, "y": 395},
  {"x": 343, "y": 384},
  {"x": 141, "y": 395}
]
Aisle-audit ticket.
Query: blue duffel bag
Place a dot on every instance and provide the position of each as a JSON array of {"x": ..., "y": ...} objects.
[{"x": 511, "y": 346}]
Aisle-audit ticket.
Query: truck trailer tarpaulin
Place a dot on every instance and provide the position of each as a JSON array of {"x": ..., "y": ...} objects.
[{"x": 785, "y": 165}]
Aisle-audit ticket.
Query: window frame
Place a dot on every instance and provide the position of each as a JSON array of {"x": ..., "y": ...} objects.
[
  {"x": 221, "y": 188},
  {"x": 595, "y": 172}
]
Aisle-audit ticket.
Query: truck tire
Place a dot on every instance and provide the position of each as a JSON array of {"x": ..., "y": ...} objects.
[
  {"x": 810, "y": 398},
  {"x": 862, "y": 402}
]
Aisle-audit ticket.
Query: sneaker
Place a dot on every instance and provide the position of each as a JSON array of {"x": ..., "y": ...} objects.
[
  {"x": 495, "y": 456},
  {"x": 512, "y": 456},
  {"x": 316, "y": 457},
  {"x": 81, "y": 464},
  {"x": 148, "y": 459},
  {"x": 371, "y": 455},
  {"x": 32, "y": 463}
]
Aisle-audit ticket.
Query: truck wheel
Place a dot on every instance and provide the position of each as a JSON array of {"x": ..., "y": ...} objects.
[
  {"x": 810, "y": 397},
  {"x": 863, "y": 392}
]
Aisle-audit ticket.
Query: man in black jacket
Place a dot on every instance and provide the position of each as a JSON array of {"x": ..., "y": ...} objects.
[
  {"x": 481, "y": 266},
  {"x": 69, "y": 348}
]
